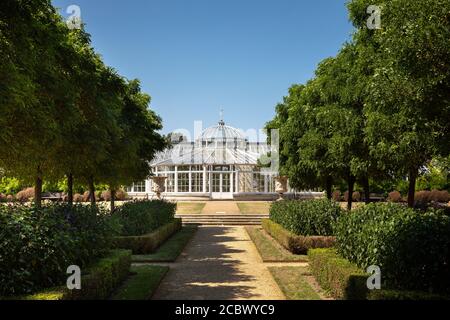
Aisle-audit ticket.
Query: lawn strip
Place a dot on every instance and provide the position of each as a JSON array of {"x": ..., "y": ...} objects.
[
  {"x": 270, "y": 250},
  {"x": 293, "y": 283},
  {"x": 142, "y": 283}
]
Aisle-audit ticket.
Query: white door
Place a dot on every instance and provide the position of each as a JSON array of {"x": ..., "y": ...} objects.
[{"x": 221, "y": 186}]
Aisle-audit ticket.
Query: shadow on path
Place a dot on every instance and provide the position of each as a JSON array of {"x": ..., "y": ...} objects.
[{"x": 220, "y": 263}]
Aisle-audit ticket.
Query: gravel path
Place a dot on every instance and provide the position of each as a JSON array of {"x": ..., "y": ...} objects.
[{"x": 220, "y": 263}]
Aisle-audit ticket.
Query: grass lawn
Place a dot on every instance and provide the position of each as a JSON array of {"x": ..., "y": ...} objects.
[
  {"x": 292, "y": 281},
  {"x": 270, "y": 250},
  {"x": 171, "y": 249},
  {"x": 254, "y": 207},
  {"x": 142, "y": 283},
  {"x": 190, "y": 207}
]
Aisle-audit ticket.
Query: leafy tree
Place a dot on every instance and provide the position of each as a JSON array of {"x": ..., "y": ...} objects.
[
  {"x": 132, "y": 151},
  {"x": 36, "y": 92},
  {"x": 409, "y": 101}
]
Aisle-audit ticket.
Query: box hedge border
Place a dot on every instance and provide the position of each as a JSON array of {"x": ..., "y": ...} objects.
[
  {"x": 98, "y": 281},
  {"x": 345, "y": 281},
  {"x": 293, "y": 243},
  {"x": 148, "y": 243},
  {"x": 342, "y": 279}
]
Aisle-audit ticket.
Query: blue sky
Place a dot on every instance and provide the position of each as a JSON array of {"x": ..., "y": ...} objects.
[{"x": 195, "y": 57}]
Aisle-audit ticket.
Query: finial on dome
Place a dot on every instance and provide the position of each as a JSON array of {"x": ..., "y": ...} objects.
[{"x": 221, "y": 122}]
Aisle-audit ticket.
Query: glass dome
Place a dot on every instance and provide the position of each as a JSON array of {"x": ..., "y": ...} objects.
[{"x": 222, "y": 132}]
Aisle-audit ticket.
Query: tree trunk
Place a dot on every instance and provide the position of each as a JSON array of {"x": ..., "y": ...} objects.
[
  {"x": 113, "y": 199},
  {"x": 38, "y": 189},
  {"x": 351, "y": 187},
  {"x": 412, "y": 187},
  {"x": 70, "y": 189},
  {"x": 329, "y": 187},
  {"x": 92, "y": 190},
  {"x": 366, "y": 187}
]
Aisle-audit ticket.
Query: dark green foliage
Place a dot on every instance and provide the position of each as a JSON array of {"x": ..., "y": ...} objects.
[
  {"x": 306, "y": 218},
  {"x": 148, "y": 243},
  {"x": 293, "y": 243},
  {"x": 404, "y": 295},
  {"x": 103, "y": 277},
  {"x": 411, "y": 248},
  {"x": 342, "y": 279},
  {"x": 142, "y": 217},
  {"x": 99, "y": 280},
  {"x": 37, "y": 245}
]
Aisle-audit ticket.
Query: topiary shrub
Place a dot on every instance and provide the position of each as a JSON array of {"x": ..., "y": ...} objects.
[
  {"x": 356, "y": 196},
  {"x": 411, "y": 248},
  {"x": 87, "y": 197},
  {"x": 142, "y": 217},
  {"x": 51, "y": 239},
  {"x": 77, "y": 198},
  {"x": 307, "y": 218},
  {"x": 423, "y": 197},
  {"x": 120, "y": 195},
  {"x": 25, "y": 195},
  {"x": 440, "y": 196},
  {"x": 106, "y": 195},
  {"x": 337, "y": 196},
  {"x": 395, "y": 196}
]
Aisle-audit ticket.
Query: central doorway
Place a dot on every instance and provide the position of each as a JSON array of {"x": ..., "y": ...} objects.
[{"x": 221, "y": 181}]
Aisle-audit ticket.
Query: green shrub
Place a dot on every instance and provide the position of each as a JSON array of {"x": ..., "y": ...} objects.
[
  {"x": 37, "y": 245},
  {"x": 148, "y": 243},
  {"x": 142, "y": 217},
  {"x": 10, "y": 185},
  {"x": 25, "y": 195},
  {"x": 307, "y": 218},
  {"x": 293, "y": 243},
  {"x": 411, "y": 248},
  {"x": 342, "y": 279},
  {"x": 394, "y": 196},
  {"x": 98, "y": 281}
]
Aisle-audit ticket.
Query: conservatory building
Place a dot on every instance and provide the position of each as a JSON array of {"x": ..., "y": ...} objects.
[{"x": 220, "y": 164}]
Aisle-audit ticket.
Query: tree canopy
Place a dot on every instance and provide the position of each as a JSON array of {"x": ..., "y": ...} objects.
[
  {"x": 63, "y": 112},
  {"x": 380, "y": 108}
]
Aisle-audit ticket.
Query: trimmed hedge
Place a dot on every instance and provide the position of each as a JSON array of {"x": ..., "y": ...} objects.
[
  {"x": 293, "y": 243},
  {"x": 97, "y": 282},
  {"x": 306, "y": 218},
  {"x": 404, "y": 295},
  {"x": 342, "y": 279},
  {"x": 411, "y": 248},
  {"x": 37, "y": 245},
  {"x": 138, "y": 218},
  {"x": 150, "y": 242}
]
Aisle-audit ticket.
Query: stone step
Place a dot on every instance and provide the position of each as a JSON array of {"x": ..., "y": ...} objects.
[{"x": 223, "y": 219}]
